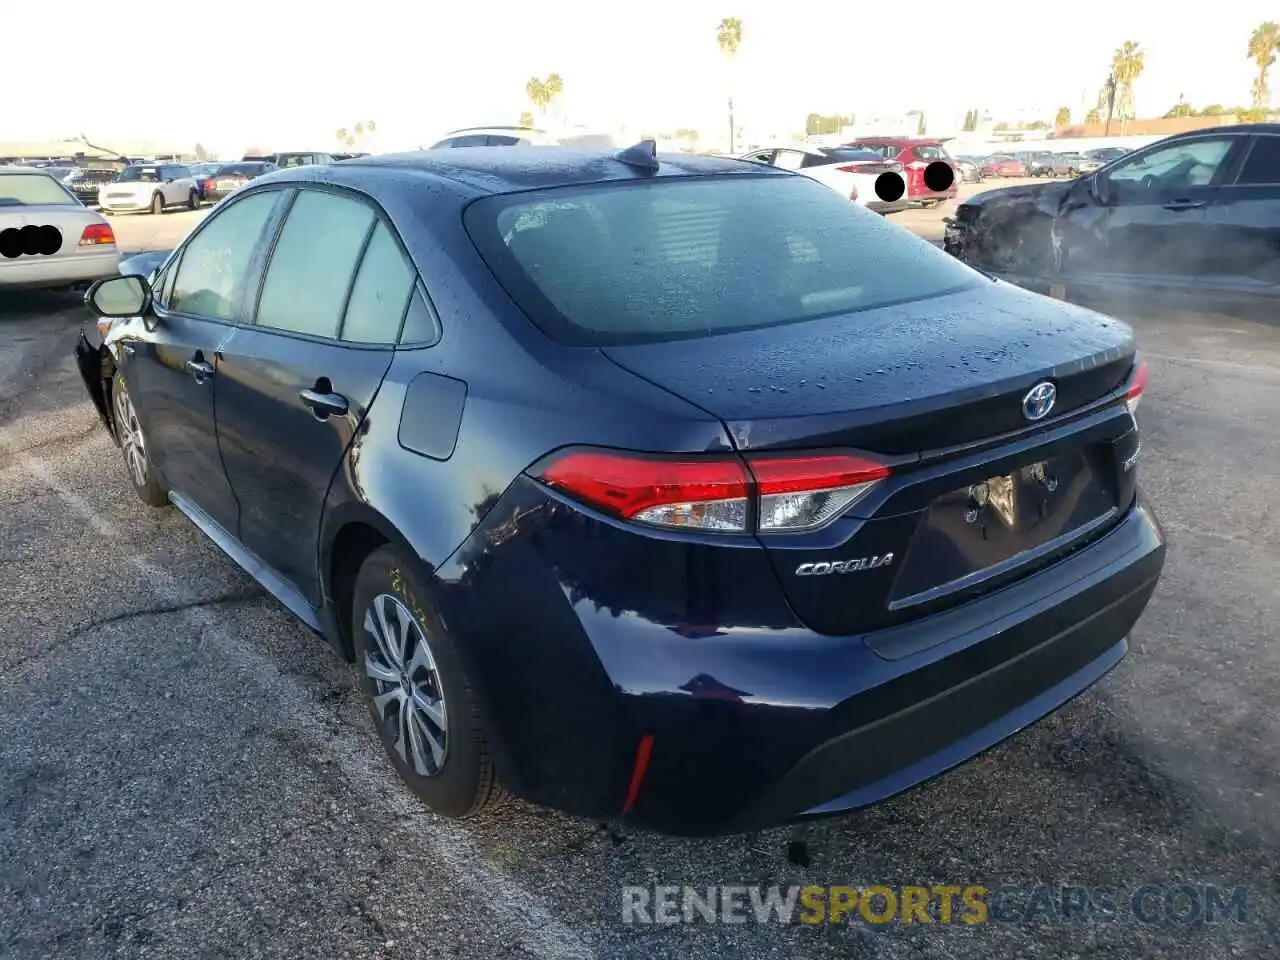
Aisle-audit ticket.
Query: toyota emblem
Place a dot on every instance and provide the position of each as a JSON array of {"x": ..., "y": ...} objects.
[{"x": 1039, "y": 401}]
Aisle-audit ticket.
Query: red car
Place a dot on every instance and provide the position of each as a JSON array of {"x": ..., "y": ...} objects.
[
  {"x": 1004, "y": 166},
  {"x": 915, "y": 155}
]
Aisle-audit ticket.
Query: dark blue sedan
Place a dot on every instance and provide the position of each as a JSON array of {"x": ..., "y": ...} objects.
[{"x": 676, "y": 489}]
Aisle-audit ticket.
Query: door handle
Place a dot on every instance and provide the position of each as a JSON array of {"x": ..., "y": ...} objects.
[
  {"x": 1184, "y": 205},
  {"x": 199, "y": 370},
  {"x": 324, "y": 405}
]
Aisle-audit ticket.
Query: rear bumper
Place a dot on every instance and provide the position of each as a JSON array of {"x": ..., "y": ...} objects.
[
  {"x": 754, "y": 719},
  {"x": 887, "y": 207},
  {"x": 89, "y": 362},
  {"x": 53, "y": 272}
]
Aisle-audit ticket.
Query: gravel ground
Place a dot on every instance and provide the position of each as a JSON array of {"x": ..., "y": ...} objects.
[{"x": 185, "y": 771}]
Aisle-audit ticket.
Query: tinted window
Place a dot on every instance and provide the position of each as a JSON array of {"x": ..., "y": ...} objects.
[
  {"x": 668, "y": 259},
  {"x": 380, "y": 293},
  {"x": 21, "y": 189},
  {"x": 474, "y": 140},
  {"x": 497, "y": 141},
  {"x": 313, "y": 262},
  {"x": 1263, "y": 164},
  {"x": 420, "y": 323},
  {"x": 215, "y": 263}
]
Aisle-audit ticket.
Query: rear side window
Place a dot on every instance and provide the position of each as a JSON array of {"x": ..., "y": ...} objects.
[
  {"x": 313, "y": 263},
  {"x": 380, "y": 293},
  {"x": 215, "y": 262},
  {"x": 675, "y": 258},
  {"x": 501, "y": 141},
  {"x": 930, "y": 153},
  {"x": 1263, "y": 163}
]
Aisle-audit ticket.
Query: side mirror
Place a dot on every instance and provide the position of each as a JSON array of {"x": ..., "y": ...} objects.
[{"x": 119, "y": 297}]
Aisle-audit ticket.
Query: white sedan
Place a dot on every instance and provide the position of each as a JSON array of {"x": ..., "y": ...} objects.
[
  {"x": 48, "y": 238},
  {"x": 851, "y": 172},
  {"x": 152, "y": 187}
]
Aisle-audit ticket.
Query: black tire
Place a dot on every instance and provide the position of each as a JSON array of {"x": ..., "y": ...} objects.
[
  {"x": 157, "y": 205},
  {"x": 133, "y": 447},
  {"x": 193, "y": 201},
  {"x": 464, "y": 781}
]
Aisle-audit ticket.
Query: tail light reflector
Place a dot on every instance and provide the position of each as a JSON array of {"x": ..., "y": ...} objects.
[
  {"x": 96, "y": 235},
  {"x": 771, "y": 494},
  {"x": 1137, "y": 386}
]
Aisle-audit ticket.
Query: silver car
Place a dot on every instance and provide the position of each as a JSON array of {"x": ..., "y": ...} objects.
[{"x": 48, "y": 238}]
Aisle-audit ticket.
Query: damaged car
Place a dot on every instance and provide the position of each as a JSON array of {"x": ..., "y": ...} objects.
[
  {"x": 630, "y": 483},
  {"x": 1196, "y": 215}
]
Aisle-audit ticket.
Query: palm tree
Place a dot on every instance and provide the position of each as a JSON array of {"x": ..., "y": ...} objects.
[
  {"x": 349, "y": 137},
  {"x": 542, "y": 92},
  {"x": 729, "y": 38},
  {"x": 1126, "y": 65},
  {"x": 1262, "y": 50}
]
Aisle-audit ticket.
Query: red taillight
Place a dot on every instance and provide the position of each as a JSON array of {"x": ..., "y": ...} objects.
[
  {"x": 700, "y": 494},
  {"x": 850, "y": 168},
  {"x": 800, "y": 493},
  {"x": 97, "y": 234},
  {"x": 790, "y": 493},
  {"x": 1137, "y": 385},
  {"x": 209, "y": 185}
]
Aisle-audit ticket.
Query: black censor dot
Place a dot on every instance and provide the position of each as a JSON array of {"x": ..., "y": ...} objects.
[
  {"x": 890, "y": 186},
  {"x": 939, "y": 176},
  {"x": 30, "y": 241}
]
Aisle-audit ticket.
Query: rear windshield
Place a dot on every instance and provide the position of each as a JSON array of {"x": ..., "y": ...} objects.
[
  {"x": 930, "y": 152},
  {"x": 242, "y": 169},
  {"x": 851, "y": 154},
  {"x": 25, "y": 189},
  {"x": 670, "y": 259}
]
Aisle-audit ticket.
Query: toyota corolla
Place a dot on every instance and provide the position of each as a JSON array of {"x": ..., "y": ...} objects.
[{"x": 673, "y": 489}]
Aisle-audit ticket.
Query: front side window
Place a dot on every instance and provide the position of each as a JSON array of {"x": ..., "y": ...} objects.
[
  {"x": 313, "y": 263},
  {"x": 1190, "y": 163},
  {"x": 674, "y": 258},
  {"x": 214, "y": 269}
]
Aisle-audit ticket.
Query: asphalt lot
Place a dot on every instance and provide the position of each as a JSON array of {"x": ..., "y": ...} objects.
[{"x": 185, "y": 771}]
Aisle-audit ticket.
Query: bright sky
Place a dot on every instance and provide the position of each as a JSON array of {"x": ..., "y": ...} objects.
[{"x": 284, "y": 73}]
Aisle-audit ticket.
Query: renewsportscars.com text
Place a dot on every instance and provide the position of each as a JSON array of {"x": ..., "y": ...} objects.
[{"x": 969, "y": 904}]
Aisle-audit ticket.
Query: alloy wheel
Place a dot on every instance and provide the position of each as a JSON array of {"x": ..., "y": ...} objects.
[
  {"x": 132, "y": 443},
  {"x": 409, "y": 698}
]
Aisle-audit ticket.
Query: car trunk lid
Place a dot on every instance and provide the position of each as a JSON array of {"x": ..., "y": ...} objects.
[
  {"x": 934, "y": 389},
  {"x": 50, "y": 231}
]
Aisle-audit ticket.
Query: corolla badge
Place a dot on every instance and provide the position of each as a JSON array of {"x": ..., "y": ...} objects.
[
  {"x": 1039, "y": 401},
  {"x": 826, "y": 568}
]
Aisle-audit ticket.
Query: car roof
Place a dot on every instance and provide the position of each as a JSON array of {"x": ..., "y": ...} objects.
[
  {"x": 12, "y": 170},
  {"x": 503, "y": 170}
]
